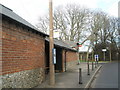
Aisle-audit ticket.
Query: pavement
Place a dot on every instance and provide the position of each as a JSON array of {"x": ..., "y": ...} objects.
[
  {"x": 70, "y": 78},
  {"x": 107, "y": 77}
]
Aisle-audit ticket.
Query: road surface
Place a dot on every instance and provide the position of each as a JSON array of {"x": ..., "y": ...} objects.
[{"x": 107, "y": 76}]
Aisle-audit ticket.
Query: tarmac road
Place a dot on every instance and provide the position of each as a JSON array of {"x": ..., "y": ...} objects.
[{"x": 107, "y": 76}]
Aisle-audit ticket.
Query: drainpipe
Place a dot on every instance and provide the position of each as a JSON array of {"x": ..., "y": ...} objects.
[{"x": 65, "y": 62}]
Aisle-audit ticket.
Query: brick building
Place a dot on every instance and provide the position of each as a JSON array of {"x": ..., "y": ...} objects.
[{"x": 24, "y": 52}]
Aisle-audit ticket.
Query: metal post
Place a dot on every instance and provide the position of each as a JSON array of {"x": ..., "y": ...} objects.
[
  {"x": 97, "y": 61},
  {"x": 110, "y": 55},
  {"x": 95, "y": 64},
  {"x": 92, "y": 61},
  {"x": 117, "y": 57},
  {"x": 80, "y": 76},
  {"x": 88, "y": 68},
  {"x": 51, "y": 46},
  {"x": 78, "y": 53},
  {"x": 104, "y": 55},
  {"x": 78, "y": 57},
  {"x": 92, "y": 66},
  {"x": 110, "y": 52}
]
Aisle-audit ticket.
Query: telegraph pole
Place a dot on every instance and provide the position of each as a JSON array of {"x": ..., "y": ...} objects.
[{"x": 51, "y": 45}]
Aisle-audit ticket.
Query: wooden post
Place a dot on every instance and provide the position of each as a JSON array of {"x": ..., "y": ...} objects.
[{"x": 51, "y": 45}]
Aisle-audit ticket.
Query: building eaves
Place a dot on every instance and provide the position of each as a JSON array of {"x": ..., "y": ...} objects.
[
  {"x": 61, "y": 44},
  {"x": 70, "y": 43}
]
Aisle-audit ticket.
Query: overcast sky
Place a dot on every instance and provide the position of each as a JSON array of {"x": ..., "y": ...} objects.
[{"x": 32, "y": 9}]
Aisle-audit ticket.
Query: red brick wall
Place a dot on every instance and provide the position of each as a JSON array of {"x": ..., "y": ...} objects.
[
  {"x": 21, "y": 49},
  {"x": 71, "y": 56}
]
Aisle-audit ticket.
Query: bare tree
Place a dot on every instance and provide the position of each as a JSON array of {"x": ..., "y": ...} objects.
[
  {"x": 60, "y": 22},
  {"x": 105, "y": 31},
  {"x": 113, "y": 36},
  {"x": 43, "y": 24},
  {"x": 81, "y": 24},
  {"x": 76, "y": 18},
  {"x": 71, "y": 20}
]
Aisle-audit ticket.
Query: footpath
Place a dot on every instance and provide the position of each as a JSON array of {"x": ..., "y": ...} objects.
[{"x": 70, "y": 78}]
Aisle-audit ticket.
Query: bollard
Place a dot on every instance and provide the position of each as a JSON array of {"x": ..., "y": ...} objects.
[
  {"x": 88, "y": 69},
  {"x": 97, "y": 62},
  {"x": 80, "y": 76},
  {"x": 92, "y": 66},
  {"x": 95, "y": 65}
]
